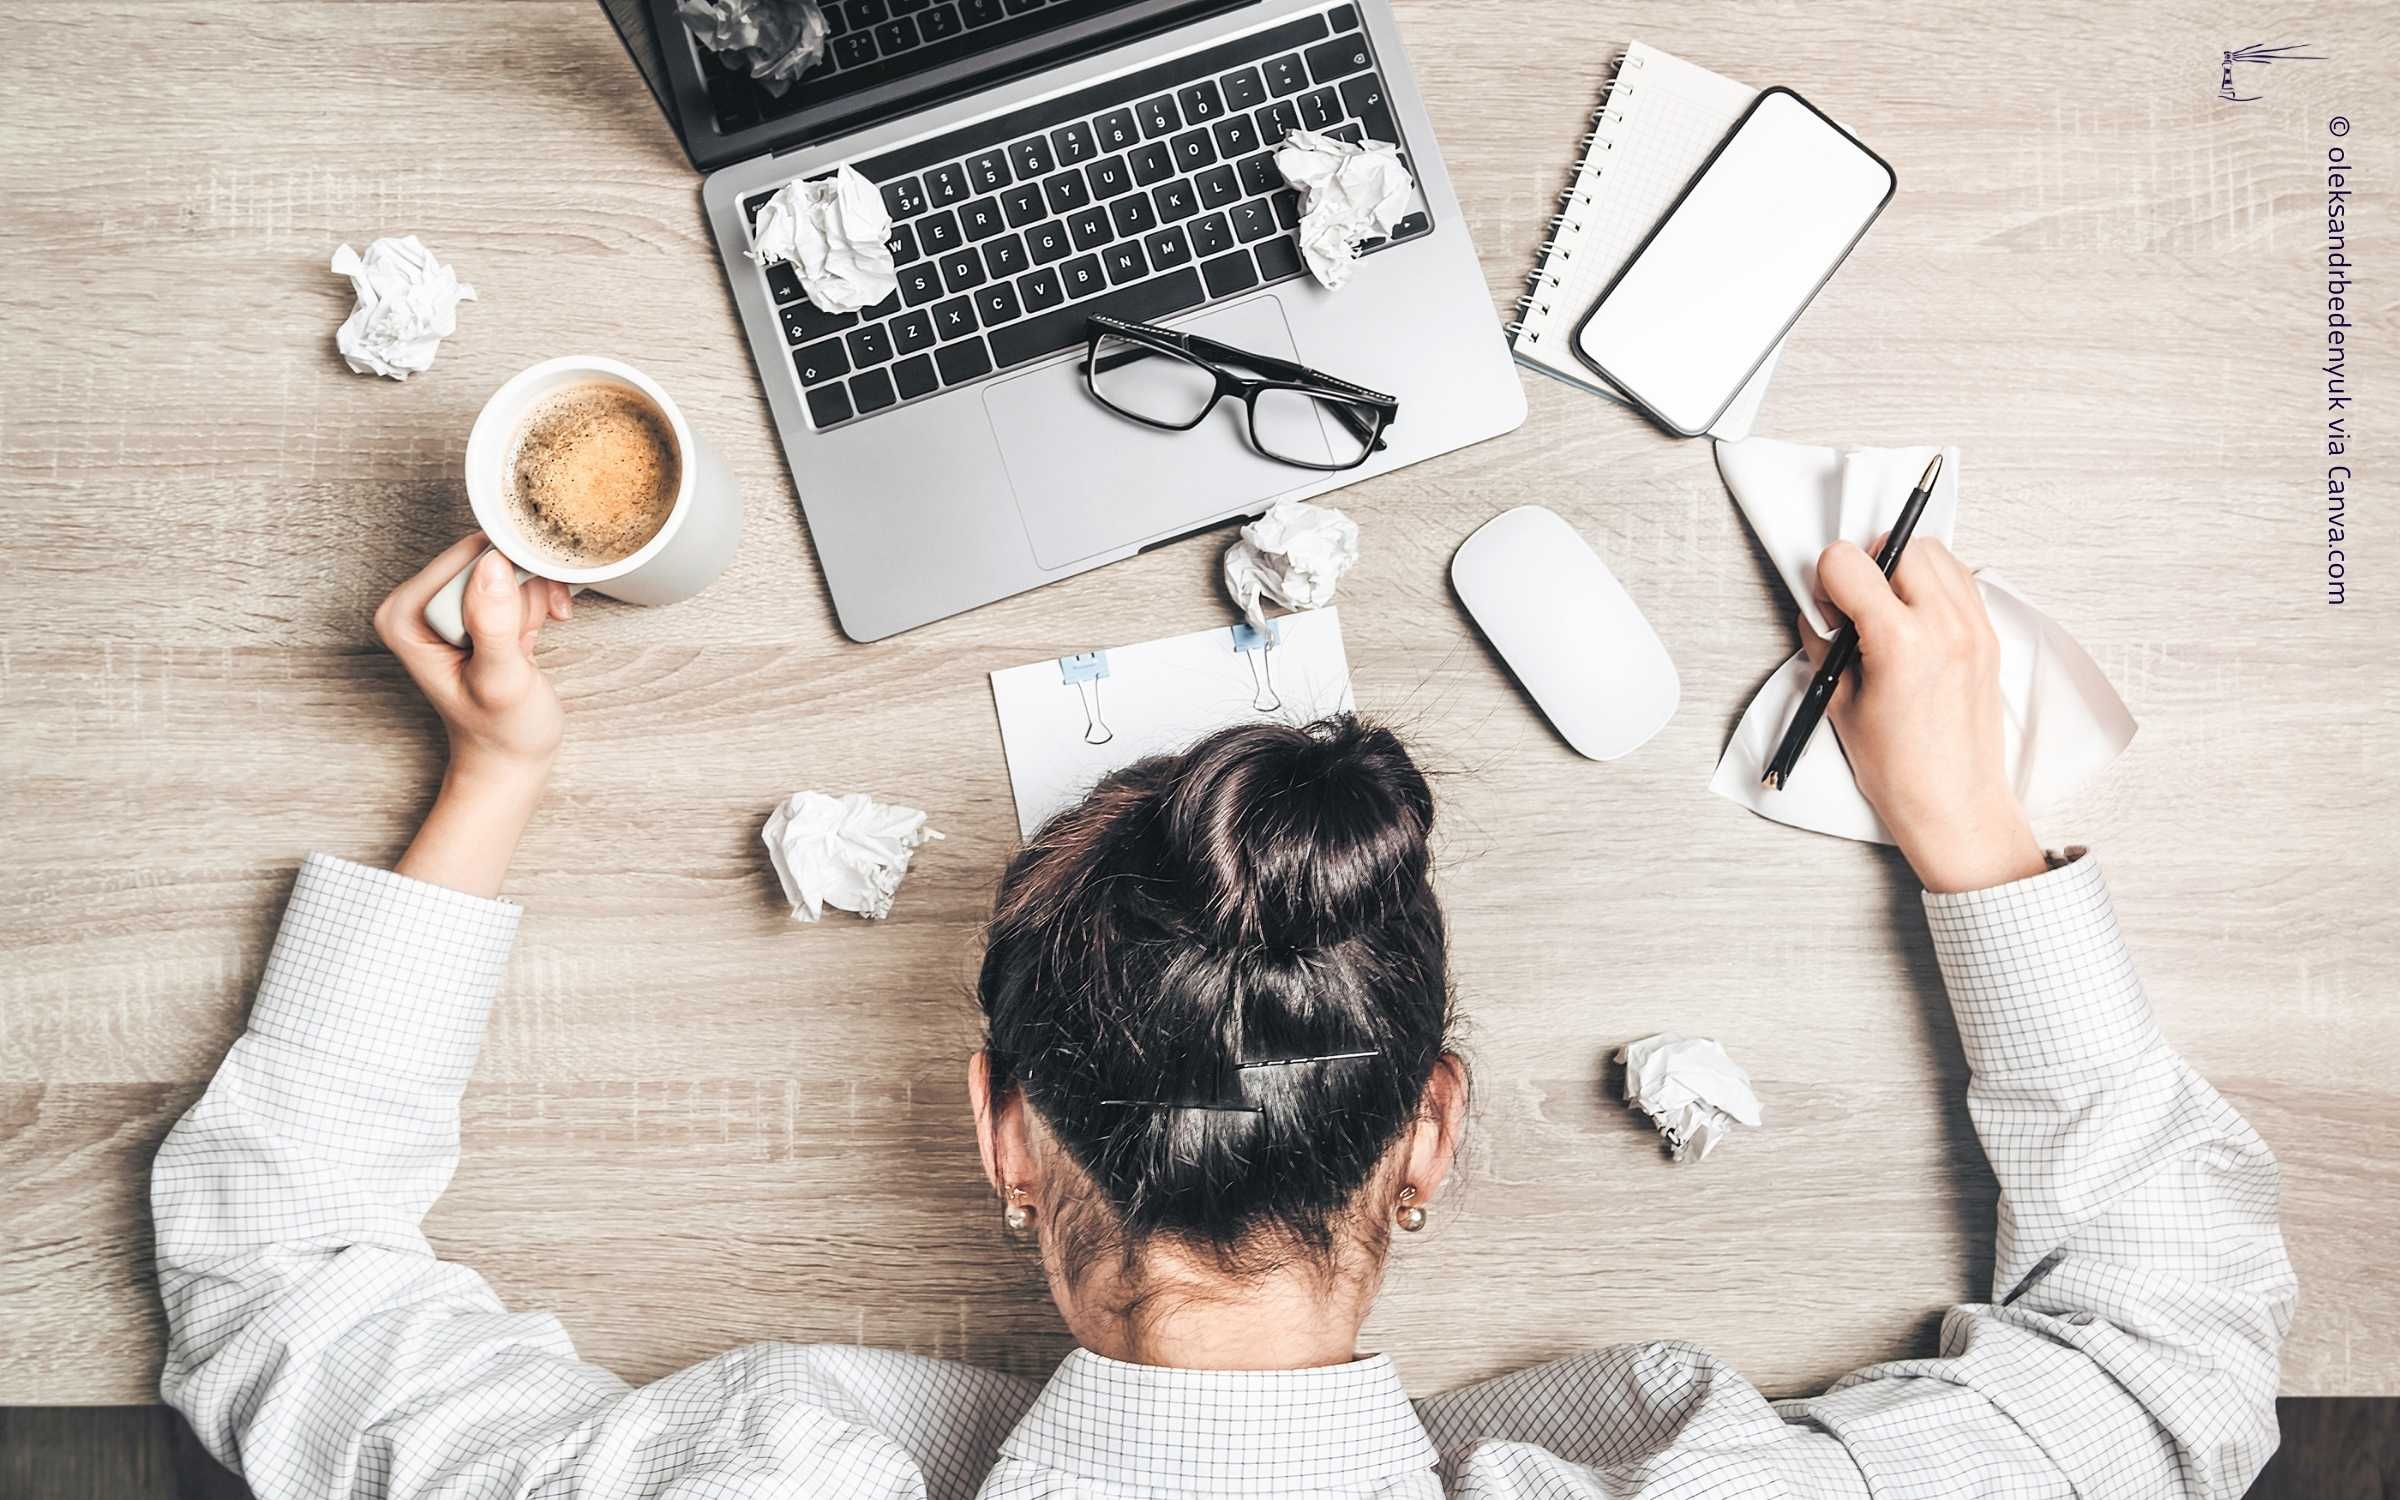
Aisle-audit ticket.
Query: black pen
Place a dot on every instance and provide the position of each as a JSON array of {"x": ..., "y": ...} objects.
[{"x": 1811, "y": 711}]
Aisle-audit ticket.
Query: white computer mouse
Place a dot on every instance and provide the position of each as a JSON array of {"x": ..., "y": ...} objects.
[{"x": 1568, "y": 629}]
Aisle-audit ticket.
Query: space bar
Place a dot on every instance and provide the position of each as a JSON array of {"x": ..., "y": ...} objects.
[{"x": 1142, "y": 302}]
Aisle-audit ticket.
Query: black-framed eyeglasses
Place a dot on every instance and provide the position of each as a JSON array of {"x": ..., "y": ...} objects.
[{"x": 1172, "y": 380}]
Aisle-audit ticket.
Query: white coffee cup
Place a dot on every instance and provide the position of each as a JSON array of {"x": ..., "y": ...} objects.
[{"x": 689, "y": 551}]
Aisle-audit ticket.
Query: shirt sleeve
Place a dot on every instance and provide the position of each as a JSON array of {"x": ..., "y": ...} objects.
[
  {"x": 318, "y": 1346},
  {"x": 2140, "y": 1290}
]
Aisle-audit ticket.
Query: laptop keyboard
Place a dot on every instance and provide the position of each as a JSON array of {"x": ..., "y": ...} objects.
[{"x": 1139, "y": 198}]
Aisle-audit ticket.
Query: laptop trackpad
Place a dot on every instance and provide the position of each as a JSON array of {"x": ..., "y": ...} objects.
[{"x": 1089, "y": 481}]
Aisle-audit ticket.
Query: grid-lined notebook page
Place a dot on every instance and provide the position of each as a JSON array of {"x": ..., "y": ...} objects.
[{"x": 1661, "y": 118}]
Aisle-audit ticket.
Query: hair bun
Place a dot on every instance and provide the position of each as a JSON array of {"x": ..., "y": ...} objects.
[{"x": 1299, "y": 837}]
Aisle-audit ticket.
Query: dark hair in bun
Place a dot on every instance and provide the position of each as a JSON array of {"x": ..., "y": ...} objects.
[{"x": 1260, "y": 898}]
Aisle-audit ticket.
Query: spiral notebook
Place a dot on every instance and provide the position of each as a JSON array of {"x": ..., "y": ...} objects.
[{"x": 1657, "y": 123}]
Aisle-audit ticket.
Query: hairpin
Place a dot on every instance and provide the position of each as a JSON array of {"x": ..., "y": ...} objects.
[{"x": 1229, "y": 1100}]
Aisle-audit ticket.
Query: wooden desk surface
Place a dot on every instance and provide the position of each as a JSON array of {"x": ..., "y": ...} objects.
[{"x": 697, "y": 1124}]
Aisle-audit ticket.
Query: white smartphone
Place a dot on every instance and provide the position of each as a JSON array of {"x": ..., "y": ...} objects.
[{"x": 1765, "y": 223}]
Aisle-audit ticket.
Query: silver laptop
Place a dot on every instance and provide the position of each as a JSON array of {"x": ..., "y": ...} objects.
[{"x": 1046, "y": 161}]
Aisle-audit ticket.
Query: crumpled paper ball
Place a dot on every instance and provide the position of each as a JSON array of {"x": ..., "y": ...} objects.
[
  {"x": 407, "y": 304},
  {"x": 775, "y": 41},
  {"x": 1690, "y": 1090},
  {"x": 849, "y": 852},
  {"x": 1348, "y": 194},
  {"x": 835, "y": 233},
  {"x": 1294, "y": 555}
]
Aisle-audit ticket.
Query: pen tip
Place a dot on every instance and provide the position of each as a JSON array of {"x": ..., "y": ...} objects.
[{"x": 1933, "y": 471}]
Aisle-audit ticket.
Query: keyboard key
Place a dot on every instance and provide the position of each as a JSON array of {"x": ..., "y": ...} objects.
[
  {"x": 955, "y": 319},
  {"x": 1158, "y": 117},
  {"x": 912, "y": 332},
  {"x": 963, "y": 362},
  {"x": 946, "y": 185},
  {"x": 1228, "y": 274},
  {"x": 961, "y": 269},
  {"x": 1132, "y": 216},
  {"x": 1211, "y": 235},
  {"x": 1320, "y": 109},
  {"x": 1065, "y": 190},
  {"x": 1064, "y": 328},
  {"x": 1363, "y": 98},
  {"x": 1287, "y": 209},
  {"x": 783, "y": 282},
  {"x": 1083, "y": 276},
  {"x": 998, "y": 304},
  {"x": 828, "y": 404},
  {"x": 1109, "y": 176},
  {"x": 1048, "y": 242},
  {"x": 860, "y": 14},
  {"x": 904, "y": 199},
  {"x": 1125, "y": 263},
  {"x": 1260, "y": 174},
  {"x": 916, "y": 377},
  {"x": 1218, "y": 187},
  {"x": 873, "y": 391},
  {"x": 904, "y": 244},
  {"x": 982, "y": 219},
  {"x": 1031, "y": 158},
  {"x": 1345, "y": 18},
  {"x": 1278, "y": 120},
  {"x": 920, "y": 283},
  {"x": 871, "y": 345},
  {"x": 1194, "y": 149},
  {"x": 1073, "y": 144},
  {"x": 1151, "y": 163},
  {"x": 1237, "y": 136},
  {"x": 1022, "y": 204},
  {"x": 1253, "y": 220},
  {"x": 803, "y": 321},
  {"x": 1278, "y": 258},
  {"x": 896, "y": 35},
  {"x": 1243, "y": 89},
  {"x": 940, "y": 24},
  {"x": 1004, "y": 257},
  {"x": 987, "y": 171},
  {"x": 1041, "y": 291},
  {"x": 1176, "y": 201},
  {"x": 1339, "y": 58},
  {"x": 884, "y": 309},
  {"x": 821, "y": 361},
  {"x": 1020, "y": 7},
  {"x": 1167, "y": 248},
  {"x": 938, "y": 232},
  {"x": 1286, "y": 75},
  {"x": 853, "y": 49},
  {"x": 1118, "y": 130},
  {"x": 979, "y": 12},
  {"x": 1200, "y": 101},
  {"x": 1090, "y": 229}
]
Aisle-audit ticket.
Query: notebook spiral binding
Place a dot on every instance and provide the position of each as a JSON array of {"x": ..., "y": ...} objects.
[{"x": 1530, "y": 321}]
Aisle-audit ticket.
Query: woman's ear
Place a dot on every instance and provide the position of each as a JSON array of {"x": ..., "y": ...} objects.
[
  {"x": 1000, "y": 1132},
  {"x": 1434, "y": 1142}
]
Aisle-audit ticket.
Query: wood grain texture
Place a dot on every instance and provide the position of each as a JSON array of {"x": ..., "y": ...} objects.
[{"x": 696, "y": 1124}]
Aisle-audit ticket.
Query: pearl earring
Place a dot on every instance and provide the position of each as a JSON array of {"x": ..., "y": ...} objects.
[
  {"x": 1410, "y": 1213},
  {"x": 1018, "y": 1216}
]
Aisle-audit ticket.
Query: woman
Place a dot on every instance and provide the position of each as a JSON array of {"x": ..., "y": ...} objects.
[{"x": 1215, "y": 1081}]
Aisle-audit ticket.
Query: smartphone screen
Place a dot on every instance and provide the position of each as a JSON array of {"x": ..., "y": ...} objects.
[{"x": 1735, "y": 262}]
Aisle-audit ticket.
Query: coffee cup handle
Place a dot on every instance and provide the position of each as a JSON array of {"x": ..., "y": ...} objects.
[{"x": 446, "y": 611}]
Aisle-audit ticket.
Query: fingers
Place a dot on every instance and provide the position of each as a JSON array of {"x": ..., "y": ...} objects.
[
  {"x": 400, "y": 619},
  {"x": 1859, "y": 590},
  {"x": 496, "y": 610}
]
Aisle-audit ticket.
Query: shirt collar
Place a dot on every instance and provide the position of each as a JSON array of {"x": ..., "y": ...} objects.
[{"x": 1247, "y": 1431}]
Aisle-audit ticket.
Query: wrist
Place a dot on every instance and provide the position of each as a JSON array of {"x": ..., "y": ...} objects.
[
  {"x": 1972, "y": 849},
  {"x": 495, "y": 784},
  {"x": 469, "y": 837}
]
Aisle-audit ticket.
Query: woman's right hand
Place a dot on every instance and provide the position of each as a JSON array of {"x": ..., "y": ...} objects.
[{"x": 1920, "y": 715}]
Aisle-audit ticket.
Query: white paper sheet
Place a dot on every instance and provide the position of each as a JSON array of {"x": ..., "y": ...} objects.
[
  {"x": 1350, "y": 192},
  {"x": 849, "y": 852},
  {"x": 1690, "y": 1090},
  {"x": 2064, "y": 721},
  {"x": 1295, "y": 555},
  {"x": 407, "y": 304},
  {"x": 1069, "y": 721}
]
